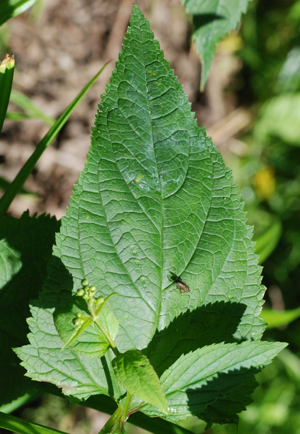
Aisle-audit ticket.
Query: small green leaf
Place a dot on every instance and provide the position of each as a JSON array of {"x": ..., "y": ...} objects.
[
  {"x": 12, "y": 8},
  {"x": 134, "y": 371},
  {"x": 87, "y": 339},
  {"x": 6, "y": 78},
  {"x": 85, "y": 322},
  {"x": 212, "y": 20}
]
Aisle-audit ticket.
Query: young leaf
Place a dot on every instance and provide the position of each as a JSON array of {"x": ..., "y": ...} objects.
[
  {"x": 134, "y": 371},
  {"x": 154, "y": 198},
  {"x": 25, "y": 249},
  {"x": 212, "y": 21},
  {"x": 198, "y": 379},
  {"x": 86, "y": 339}
]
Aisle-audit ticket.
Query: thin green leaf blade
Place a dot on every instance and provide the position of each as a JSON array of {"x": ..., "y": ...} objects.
[
  {"x": 198, "y": 379},
  {"x": 279, "y": 318},
  {"x": 31, "y": 110},
  {"x": 25, "y": 171},
  {"x": 12, "y": 8},
  {"x": 134, "y": 371},
  {"x": 7, "y": 68},
  {"x": 21, "y": 426},
  {"x": 266, "y": 242},
  {"x": 212, "y": 19}
]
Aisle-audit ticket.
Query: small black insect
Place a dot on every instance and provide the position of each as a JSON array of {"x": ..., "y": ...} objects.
[{"x": 179, "y": 283}]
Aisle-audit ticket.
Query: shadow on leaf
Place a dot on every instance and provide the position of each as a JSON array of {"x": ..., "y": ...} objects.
[
  {"x": 201, "y": 20},
  {"x": 206, "y": 325}
]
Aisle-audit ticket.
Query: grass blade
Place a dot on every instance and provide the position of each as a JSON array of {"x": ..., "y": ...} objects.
[
  {"x": 30, "y": 109},
  {"x": 6, "y": 78},
  {"x": 21, "y": 426},
  {"x": 21, "y": 177},
  {"x": 12, "y": 8}
]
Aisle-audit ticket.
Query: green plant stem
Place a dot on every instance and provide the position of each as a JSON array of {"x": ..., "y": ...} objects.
[
  {"x": 106, "y": 335},
  {"x": 125, "y": 414},
  {"x": 108, "y": 338},
  {"x": 26, "y": 170},
  {"x": 113, "y": 423}
]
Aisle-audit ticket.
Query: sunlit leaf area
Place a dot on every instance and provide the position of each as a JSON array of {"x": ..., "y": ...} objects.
[{"x": 148, "y": 272}]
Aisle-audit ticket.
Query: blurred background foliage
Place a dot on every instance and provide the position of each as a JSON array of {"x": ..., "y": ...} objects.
[{"x": 266, "y": 167}]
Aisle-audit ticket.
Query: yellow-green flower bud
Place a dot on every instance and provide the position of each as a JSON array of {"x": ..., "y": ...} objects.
[{"x": 93, "y": 289}]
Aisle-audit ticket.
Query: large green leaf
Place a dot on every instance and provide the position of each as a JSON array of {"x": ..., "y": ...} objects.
[
  {"x": 25, "y": 248},
  {"x": 212, "y": 19},
  {"x": 154, "y": 198}
]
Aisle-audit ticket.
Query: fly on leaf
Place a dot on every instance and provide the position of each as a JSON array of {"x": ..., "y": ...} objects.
[{"x": 180, "y": 284}]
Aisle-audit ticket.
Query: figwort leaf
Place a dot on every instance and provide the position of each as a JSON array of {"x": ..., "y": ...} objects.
[{"x": 154, "y": 200}]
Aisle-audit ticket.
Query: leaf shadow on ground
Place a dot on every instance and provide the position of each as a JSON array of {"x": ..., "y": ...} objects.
[{"x": 208, "y": 324}]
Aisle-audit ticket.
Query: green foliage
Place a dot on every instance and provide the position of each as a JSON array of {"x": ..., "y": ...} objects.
[
  {"x": 205, "y": 376},
  {"x": 212, "y": 21},
  {"x": 12, "y": 8},
  {"x": 25, "y": 249},
  {"x": 30, "y": 109},
  {"x": 154, "y": 198},
  {"x": 267, "y": 241},
  {"x": 279, "y": 117},
  {"x": 16, "y": 185},
  {"x": 7, "y": 67},
  {"x": 79, "y": 335},
  {"x": 21, "y": 426},
  {"x": 134, "y": 372},
  {"x": 279, "y": 318}
]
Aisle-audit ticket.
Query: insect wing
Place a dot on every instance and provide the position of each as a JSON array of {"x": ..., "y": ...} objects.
[{"x": 182, "y": 286}]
